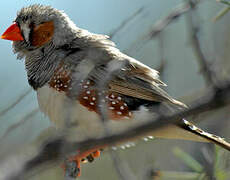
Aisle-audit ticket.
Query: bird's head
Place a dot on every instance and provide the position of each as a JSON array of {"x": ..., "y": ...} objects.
[{"x": 37, "y": 25}]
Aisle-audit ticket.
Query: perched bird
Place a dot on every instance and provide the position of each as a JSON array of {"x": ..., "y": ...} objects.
[{"x": 68, "y": 66}]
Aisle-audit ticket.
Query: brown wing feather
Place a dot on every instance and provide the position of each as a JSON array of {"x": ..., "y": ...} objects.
[{"x": 140, "y": 81}]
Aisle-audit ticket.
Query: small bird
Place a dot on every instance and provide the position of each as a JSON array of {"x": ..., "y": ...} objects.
[{"x": 74, "y": 72}]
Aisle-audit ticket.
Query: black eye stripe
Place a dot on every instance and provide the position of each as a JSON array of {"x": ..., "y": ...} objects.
[{"x": 31, "y": 26}]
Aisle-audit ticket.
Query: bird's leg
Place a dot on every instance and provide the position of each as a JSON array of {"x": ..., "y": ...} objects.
[{"x": 72, "y": 165}]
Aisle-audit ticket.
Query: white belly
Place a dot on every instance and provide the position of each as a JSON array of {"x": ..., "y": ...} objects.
[{"x": 67, "y": 113}]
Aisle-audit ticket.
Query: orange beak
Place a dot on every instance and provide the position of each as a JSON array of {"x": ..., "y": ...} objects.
[{"x": 13, "y": 33}]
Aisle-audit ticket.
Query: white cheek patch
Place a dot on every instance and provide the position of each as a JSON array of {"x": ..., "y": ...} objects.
[{"x": 26, "y": 31}]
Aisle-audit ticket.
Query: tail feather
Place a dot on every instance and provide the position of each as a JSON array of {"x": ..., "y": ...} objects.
[{"x": 209, "y": 137}]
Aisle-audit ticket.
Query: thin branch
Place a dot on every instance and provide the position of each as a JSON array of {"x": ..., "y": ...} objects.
[
  {"x": 162, "y": 24},
  {"x": 161, "y": 50},
  {"x": 18, "y": 100},
  {"x": 125, "y": 22},
  {"x": 173, "y": 16},
  {"x": 193, "y": 30},
  {"x": 19, "y": 123}
]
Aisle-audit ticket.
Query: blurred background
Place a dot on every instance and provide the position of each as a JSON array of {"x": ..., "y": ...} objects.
[{"x": 129, "y": 23}]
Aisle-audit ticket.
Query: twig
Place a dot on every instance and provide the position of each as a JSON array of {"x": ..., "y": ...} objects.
[
  {"x": 162, "y": 65},
  {"x": 162, "y": 24},
  {"x": 205, "y": 69},
  {"x": 125, "y": 22},
  {"x": 18, "y": 100},
  {"x": 19, "y": 123},
  {"x": 173, "y": 15}
]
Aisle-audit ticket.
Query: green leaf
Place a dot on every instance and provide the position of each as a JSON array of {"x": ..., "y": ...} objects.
[
  {"x": 188, "y": 160},
  {"x": 224, "y": 2}
]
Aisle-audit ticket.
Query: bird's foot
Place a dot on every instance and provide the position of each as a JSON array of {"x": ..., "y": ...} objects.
[{"x": 72, "y": 167}]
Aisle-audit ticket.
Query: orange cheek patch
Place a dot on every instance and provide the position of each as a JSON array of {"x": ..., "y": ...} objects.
[{"x": 42, "y": 34}]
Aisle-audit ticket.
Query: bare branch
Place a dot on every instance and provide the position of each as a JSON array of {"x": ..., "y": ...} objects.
[
  {"x": 162, "y": 24},
  {"x": 125, "y": 22},
  {"x": 162, "y": 64},
  {"x": 19, "y": 123},
  {"x": 18, "y": 100},
  {"x": 193, "y": 30}
]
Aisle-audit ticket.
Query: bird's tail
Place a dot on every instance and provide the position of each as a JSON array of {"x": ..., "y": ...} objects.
[
  {"x": 188, "y": 131},
  {"x": 207, "y": 137}
]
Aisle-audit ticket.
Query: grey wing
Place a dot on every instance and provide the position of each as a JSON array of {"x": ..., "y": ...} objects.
[
  {"x": 140, "y": 81},
  {"x": 134, "y": 79}
]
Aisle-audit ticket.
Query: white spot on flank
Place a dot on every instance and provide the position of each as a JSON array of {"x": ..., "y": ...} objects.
[
  {"x": 112, "y": 96},
  {"x": 111, "y": 108},
  {"x": 113, "y": 102},
  {"x": 85, "y": 97},
  {"x": 119, "y": 98},
  {"x": 114, "y": 148},
  {"x": 122, "y": 107},
  {"x": 93, "y": 98},
  {"x": 122, "y": 147},
  {"x": 91, "y": 103},
  {"x": 106, "y": 97},
  {"x": 87, "y": 92},
  {"x": 87, "y": 82},
  {"x": 132, "y": 144},
  {"x": 65, "y": 86},
  {"x": 150, "y": 137},
  {"x": 119, "y": 113},
  {"x": 125, "y": 104},
  {"x": 128, "y": 145},
  {"x": 85, "y": 86}
]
